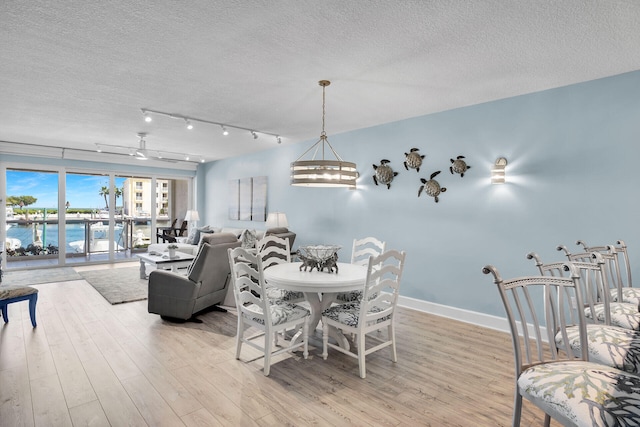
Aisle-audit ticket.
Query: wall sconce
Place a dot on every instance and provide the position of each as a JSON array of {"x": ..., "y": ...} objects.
[{"x": 498, "y": 175}]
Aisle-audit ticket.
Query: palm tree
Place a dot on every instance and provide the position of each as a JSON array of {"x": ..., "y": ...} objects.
[{"x": 104, "y": 192}]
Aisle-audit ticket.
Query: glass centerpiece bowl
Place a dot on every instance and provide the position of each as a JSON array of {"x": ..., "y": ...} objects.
[{"x": 319, "y": 253}]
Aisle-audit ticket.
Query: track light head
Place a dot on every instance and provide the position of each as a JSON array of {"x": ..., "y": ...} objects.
[
  {"x": 147, "y": 116},
  {"x": 189, "y": 124},
  {"x": 279, "y": 139},
  {"x": 225, "y": 132},
  {"x": 254, "y": 134}
]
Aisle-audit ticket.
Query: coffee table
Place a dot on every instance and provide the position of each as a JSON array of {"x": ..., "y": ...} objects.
[{"x": 162, "y": 261}]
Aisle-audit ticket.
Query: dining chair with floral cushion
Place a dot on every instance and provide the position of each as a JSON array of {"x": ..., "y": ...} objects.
[
  {"x": 374, "y": 311},
  {"x": 565, "y": 385},
  {"x": 622, "y": 314},
  {"x": 622, "y": 289},
  {"x": 274, "y": 250},
  {"x": 362, "y": 250},
  {"x": 609, "y": 345},
  {"x": 256, "y": 310}
]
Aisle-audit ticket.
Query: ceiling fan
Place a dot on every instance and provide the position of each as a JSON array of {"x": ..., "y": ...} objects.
[{"x": 141, "y": 153}]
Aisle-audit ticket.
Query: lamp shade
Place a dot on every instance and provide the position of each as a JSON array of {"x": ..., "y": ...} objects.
[
  {"x": 192, "y": 215},
  {"x": 277, "y": 219}
]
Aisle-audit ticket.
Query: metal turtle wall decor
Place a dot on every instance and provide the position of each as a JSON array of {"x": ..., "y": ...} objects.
[
  {"x": 384, "y": 174},
  {"x": 431, "y": 187},
  {"x": 413, "y": 159},
  {"x": 459, "y": 166}
]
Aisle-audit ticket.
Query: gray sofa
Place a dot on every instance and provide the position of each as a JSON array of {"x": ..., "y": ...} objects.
[{"x": 175, "y": 296}]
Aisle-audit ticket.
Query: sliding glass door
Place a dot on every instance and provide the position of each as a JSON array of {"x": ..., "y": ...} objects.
[{"x": 32, "y": 213}]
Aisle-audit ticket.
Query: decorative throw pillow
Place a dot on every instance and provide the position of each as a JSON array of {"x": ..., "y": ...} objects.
[
  {"x": 194, "y": 235},
  {"x": 248, "y": 239}
]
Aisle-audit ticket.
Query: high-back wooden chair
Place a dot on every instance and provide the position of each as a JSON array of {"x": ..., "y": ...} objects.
[
  {"x": 274, "y": 250},
  {"x": 256, "y": 310},
  {"x": 565, "y": 385},
  {"x": 362, "y": 250},
  {"x": 374, "y": 311}
]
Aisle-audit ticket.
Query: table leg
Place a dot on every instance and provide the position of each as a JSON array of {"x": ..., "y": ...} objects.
[
  {"x": 318, "y": 303},
  {"x": 143, "y": 270}
]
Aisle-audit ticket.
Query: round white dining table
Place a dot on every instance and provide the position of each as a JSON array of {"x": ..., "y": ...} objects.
[{"x": 319, "y": 287}]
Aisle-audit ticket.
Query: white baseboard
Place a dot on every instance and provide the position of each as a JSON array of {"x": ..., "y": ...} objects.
[{"x": 473, "y": 317}]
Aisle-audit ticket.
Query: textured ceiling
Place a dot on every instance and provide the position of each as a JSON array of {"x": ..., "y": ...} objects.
[{"x": 76, "y": 73}]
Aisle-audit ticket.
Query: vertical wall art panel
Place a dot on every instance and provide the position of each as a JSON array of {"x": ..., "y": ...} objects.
[
  {"x": 259, "y": 202},
  {"x": 234, "y": 199},
  {"x": 246, "y": 197}
]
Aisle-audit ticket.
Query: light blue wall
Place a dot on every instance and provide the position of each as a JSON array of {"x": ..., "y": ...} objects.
[{"x": 573, "y": 170}]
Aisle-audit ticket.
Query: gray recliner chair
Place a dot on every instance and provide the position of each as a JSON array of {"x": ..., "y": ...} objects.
[{"x": 175, "y": 296}]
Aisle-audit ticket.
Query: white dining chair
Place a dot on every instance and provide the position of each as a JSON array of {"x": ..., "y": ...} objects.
[
  {"x": 274, "y": 250},
  {"x": 374, "y": 311},
  {"x": 362, "y": 250},
  {"x": 256, "y": 310}
]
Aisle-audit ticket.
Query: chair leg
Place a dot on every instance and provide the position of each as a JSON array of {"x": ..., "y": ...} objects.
[
  {"x": 361, "y": 355},
  {"x": 239, "y": 336},
  {"x": 517, "y": 409},
  {"x": 5, "y": 315},
  {"x": 325, "y": 340},
  {"x": 267, "y": 353},
  {"x": 32, "y": 309},
  {"x": 392, "y": 336},
  {"x": 305, "y": 338}
]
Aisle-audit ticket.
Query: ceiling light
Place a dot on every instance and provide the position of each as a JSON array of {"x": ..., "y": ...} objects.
[
  {"x": 201, "y": 160},
  {"x": 189, "y": 125},
  {"x": 321, "y": 172},
  {"x": 147, "y": 116},
  {"x": 186, "y": 157},
  {"x": 141, "y": 153},
  {"x": 278, "y": 140},
  {"x": 98, "y": 148},
  {"x": 254, "y": 134},
  {"x": 225, "y": 132}
]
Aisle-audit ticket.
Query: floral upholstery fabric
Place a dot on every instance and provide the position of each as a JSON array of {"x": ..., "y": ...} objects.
[
  {"x": 622, "y": 314},
  {"x": 629, "y": 295},
  {"x": 583, "y": 393},
  {"x": 284, "y": 295},
  {"x": 352, "y": 296},
  {"x": 280, "y": 313},
  {"x": 608, "y": 345},
  {"x": 14, "y": 291},
  {"x": 347, "y": 314}
]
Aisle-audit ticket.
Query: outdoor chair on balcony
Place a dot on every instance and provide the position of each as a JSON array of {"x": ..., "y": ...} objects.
[{"x": 169, "y": 234}]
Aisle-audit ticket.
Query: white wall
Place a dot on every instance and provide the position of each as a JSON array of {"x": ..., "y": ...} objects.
[{"x": 572, "y": 174}]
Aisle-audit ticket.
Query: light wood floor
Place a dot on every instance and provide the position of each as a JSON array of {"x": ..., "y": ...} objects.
[{"x": 91, "y": 363}]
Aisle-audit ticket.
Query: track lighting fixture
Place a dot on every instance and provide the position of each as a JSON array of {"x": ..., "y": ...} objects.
[
  {"x": 98, "y": 148},
  {"x": 189, "y": 123}
]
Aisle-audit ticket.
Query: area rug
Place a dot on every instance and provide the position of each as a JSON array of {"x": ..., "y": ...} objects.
[
  {"x": 39, "y": 276},
  {"x": 118, "y": 285}
]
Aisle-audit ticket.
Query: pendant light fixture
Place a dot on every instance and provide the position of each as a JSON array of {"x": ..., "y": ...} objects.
[{"x": 321, "y": 172}]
